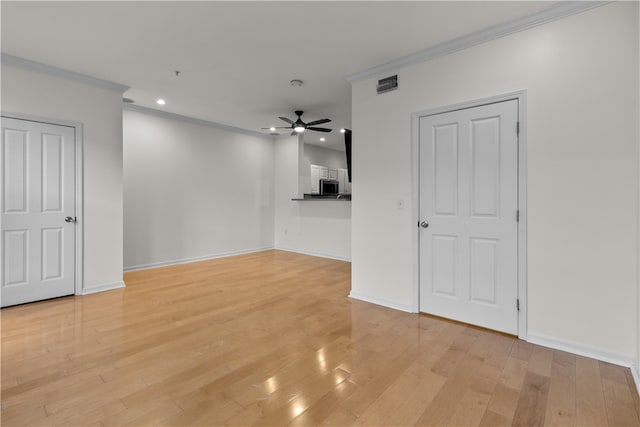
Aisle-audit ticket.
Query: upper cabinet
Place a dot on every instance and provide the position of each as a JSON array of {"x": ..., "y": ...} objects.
[
  {"x": 322, "y": 172},
  {"x": 316, "y": 171},
  {"x": 343, "y": 180}
]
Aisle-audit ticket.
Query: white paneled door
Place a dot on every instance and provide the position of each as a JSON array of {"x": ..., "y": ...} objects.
[
  {"x": 38, "y": 211},
  {"x": 468, "y": 215}
]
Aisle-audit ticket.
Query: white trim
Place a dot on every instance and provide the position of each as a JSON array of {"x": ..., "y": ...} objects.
[
  {"x": 522, "y": 224},
  {"x": 195, "y": 259},
  {"x": 79, "y": 189},
  {"x": 521, "y": 97},
  {"x": 312, "y": 253},
  {"x": 193, "y": 120},
  {"x": 415, "y": 194},
  {"x": 59, "y": 72},
  {"x": 553, "y": 13},
  {"x": 582, "y": 350},
  {"x": 380, "y": 301},
  {"x": 104, "y": 287},
  {"x": 79, "y": 214},
  {"x": 636, "y": 375}
]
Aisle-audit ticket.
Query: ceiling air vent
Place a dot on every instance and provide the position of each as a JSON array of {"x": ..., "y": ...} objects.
[{"x": 387, "y": 84}]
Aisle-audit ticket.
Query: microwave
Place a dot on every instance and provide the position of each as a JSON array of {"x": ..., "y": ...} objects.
[{"x": 329, "y": 187}]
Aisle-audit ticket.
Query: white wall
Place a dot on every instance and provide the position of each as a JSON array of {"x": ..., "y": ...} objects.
[
  {"x": 193, "y": 191},
  {"x": 320, "y": 228},
  {"x": 581, "y": 77},
  {"x": 100, "y": 112},
  {"x": 325, "y": 156}
]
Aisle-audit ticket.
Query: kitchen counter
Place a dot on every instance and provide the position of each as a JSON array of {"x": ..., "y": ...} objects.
[{"x": 317, "y": 197}]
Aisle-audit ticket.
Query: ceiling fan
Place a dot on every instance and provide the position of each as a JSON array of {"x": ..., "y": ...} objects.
[{"x": 299, "y": 126}]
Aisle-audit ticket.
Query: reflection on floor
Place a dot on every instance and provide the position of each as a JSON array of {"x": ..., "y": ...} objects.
[{"x": 272, "y": 338}]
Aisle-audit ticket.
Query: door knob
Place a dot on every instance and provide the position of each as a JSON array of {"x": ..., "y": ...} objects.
[
  {"x": 424, "y": 224},
  {"x": 69, "y": 219}
]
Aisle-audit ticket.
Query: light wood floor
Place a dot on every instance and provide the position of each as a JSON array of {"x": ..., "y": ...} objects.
[{"x": 272, "y": 339}]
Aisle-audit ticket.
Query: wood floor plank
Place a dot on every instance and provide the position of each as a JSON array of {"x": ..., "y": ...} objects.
[
  {"x": 417, "y": 384},
  {"x": 470, "y": 410},
  {"x": 590, "y": 404},
  {"x": 619, "y": 403},
  {"x": 531, "y": 407},
  {"x": 323, "y": 411},
  {"x": 214, "y": 411},
  {"x": 370, "y": 390},
  {"x": 272, "y": 338},
  {"x": 561, "y": 403},
  {"x": 493, "y": 419},
  {"x": 86, "y": 415},
  {"x": 514, "y": 373},
  {"x": 442, "y": 407},
  {"x": 92, "y": 398},
  {"x": 504, "y": 401},
  {"x": 340, "y": 417},
  {"x": 143, "y": 411},
  {"x": 486, "y": 379},
  {"x": 613, "y": 373},
  {"x": 522, "y": 350},
  {"x": 634, "y": 392},
  {"x": 541, "y": 361},
  {"x": 25, "y": 413}
]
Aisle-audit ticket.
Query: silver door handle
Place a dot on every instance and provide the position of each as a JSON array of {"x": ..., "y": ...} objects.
[
  {"x": 70, "y": 219},
  {"x": 424, "y": 224}
]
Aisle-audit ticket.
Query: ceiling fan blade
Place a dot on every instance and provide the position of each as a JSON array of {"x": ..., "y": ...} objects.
[
  {"x": 294, "y": 133},
  {"x": 286, "y": 120},
  {"x": 278, "y": 127},
  {"x": 318, "y": 122},
  {"x": 318, "y": 129}
]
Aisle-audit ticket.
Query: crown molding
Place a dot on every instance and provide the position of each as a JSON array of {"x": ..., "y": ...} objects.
[
  {"x": 7, "y": 59},
  {"x": 193, "y": 120},
  {"x": 553, "y": 13}
]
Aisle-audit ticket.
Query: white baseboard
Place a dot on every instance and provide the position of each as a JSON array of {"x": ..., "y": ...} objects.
[
  {"x": 195, "y": 259},
  {"x": 318, "y": 254},
  {"x": 104, "y": 287},
  {"x": 583, "y": 350},
  {"x": 381, "y": 301}
]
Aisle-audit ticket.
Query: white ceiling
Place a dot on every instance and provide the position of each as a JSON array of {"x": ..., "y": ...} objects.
[{"x": 236, "y": 58}]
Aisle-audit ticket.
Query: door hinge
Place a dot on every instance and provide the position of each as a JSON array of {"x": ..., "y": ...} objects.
[
  {"x": 517, "y": 128},
  {"x": 518, "y": 304}
]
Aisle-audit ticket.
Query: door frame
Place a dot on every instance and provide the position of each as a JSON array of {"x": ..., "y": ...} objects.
[
  {"x": 78, "y": 174},
  {"x": 521, "y": 97}
]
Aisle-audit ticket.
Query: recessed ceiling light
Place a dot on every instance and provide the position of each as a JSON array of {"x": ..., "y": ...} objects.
[
  {"x": 160, "y": 101},
  {"x": 296, "y": 82},
  {"x": 272, "y": 129},
  {"x": 322, "y": 139},
  {"x": 342, "y": 130}
]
